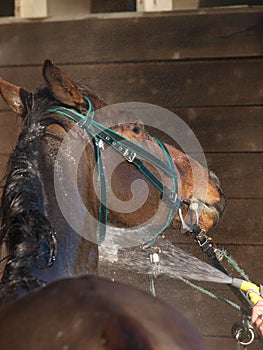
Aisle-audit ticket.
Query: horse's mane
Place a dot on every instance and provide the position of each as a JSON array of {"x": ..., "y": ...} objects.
[{"x": 25, "y": 228}]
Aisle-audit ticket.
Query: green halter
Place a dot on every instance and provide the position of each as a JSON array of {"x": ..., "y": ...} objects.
[{"x": 131, "y": 152}]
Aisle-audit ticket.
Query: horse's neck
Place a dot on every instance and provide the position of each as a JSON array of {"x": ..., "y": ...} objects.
[
  {"x": 32, "y": 221},
  {"x": 23, "y": 220},
  {"x": 75, "y": 254}
]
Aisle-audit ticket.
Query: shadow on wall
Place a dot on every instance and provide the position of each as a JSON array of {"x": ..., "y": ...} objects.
[
  {"x": 113, "y": 6},
  {"x": 7, "y": 8}
]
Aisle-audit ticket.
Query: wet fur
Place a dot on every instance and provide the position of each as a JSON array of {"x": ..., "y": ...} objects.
[{"x": 25, "y": 228}]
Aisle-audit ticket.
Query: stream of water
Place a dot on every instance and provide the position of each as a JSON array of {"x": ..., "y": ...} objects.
[{"x": 173, "y": 262}]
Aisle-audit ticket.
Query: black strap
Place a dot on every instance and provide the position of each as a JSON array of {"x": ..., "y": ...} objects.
[{"x": 207, "y": 248}]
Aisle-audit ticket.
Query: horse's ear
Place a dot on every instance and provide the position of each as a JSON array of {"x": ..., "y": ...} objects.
[
  {"x": 62, "y": 88},
  {"x": 14, "y": 96},
  {"x": 123, "y": 332}
]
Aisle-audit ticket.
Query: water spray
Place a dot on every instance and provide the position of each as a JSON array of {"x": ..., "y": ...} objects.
[
  {"x": 167, "y": 259},
  {"x": 190, "y": 267}
]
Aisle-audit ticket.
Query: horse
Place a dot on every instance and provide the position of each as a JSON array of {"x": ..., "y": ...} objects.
[
  {"x": 89, "y": 312},
  {"x": 41, "y": 244}
]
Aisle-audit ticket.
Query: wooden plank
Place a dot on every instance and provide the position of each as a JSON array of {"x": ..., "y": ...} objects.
[
  {"x": 28, "y": 77},
  {"x": 178, "y": 84},
  {"x": 170, "y": 84},
  {"x": 217, "y": 3},
  {"x": 227, "y": 343},
  {"x": 249, "y": 258},
  {"x": 241, "y": 223},
  {"x": 240, "y": 174},
  {"x": 31, "y": 9},
  {"x": 218, "y": 129},
  {"x": 169, "y": 36},
  {"x": 226, "y": 129}
]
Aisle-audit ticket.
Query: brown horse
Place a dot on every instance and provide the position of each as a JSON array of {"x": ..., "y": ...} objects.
[
  {"x": 30, "y": 196},
  {"x": 93, "y": 313},
  {"x": 41, "y": 241}
]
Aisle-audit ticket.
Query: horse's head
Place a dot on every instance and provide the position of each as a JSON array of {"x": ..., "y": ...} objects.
[
  {"x": 199, "y": 186},
  {"x": 203, "y": 199}
]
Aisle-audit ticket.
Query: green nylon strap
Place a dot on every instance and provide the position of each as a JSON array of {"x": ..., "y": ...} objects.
[
  {"x": 175, "y": 186},
  {"x": 96, "y": 129},
  {"x": 119, "y": 143},
  {"x": 103, "y": 191},
  {"x": 114, "y": 137},
  {"x": 210, "y": 294},
  {"x": 103, "y": 194}
]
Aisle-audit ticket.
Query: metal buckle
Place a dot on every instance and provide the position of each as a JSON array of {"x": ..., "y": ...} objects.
[
  {"x": 206, "y": 244},
  {"x": 129, "y": 156},
  {"x": 99, "y": 143}
]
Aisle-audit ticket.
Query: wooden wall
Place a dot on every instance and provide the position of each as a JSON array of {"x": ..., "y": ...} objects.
[{"x": 207, "y": 66}]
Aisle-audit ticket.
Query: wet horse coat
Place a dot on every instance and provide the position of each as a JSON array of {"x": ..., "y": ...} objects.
[{"x": 41, "y": 245}]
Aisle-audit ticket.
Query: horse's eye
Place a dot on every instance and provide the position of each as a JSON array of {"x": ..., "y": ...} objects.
[{"x": 137, "y": 129}]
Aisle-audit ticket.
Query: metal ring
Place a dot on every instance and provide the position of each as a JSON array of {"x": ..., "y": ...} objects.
[{"x": 249, "y": 340}]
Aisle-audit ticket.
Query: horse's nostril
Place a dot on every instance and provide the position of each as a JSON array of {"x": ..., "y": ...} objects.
[
  {"x": 137, "y": 129},
  {"x": 219, "y": 206}
]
